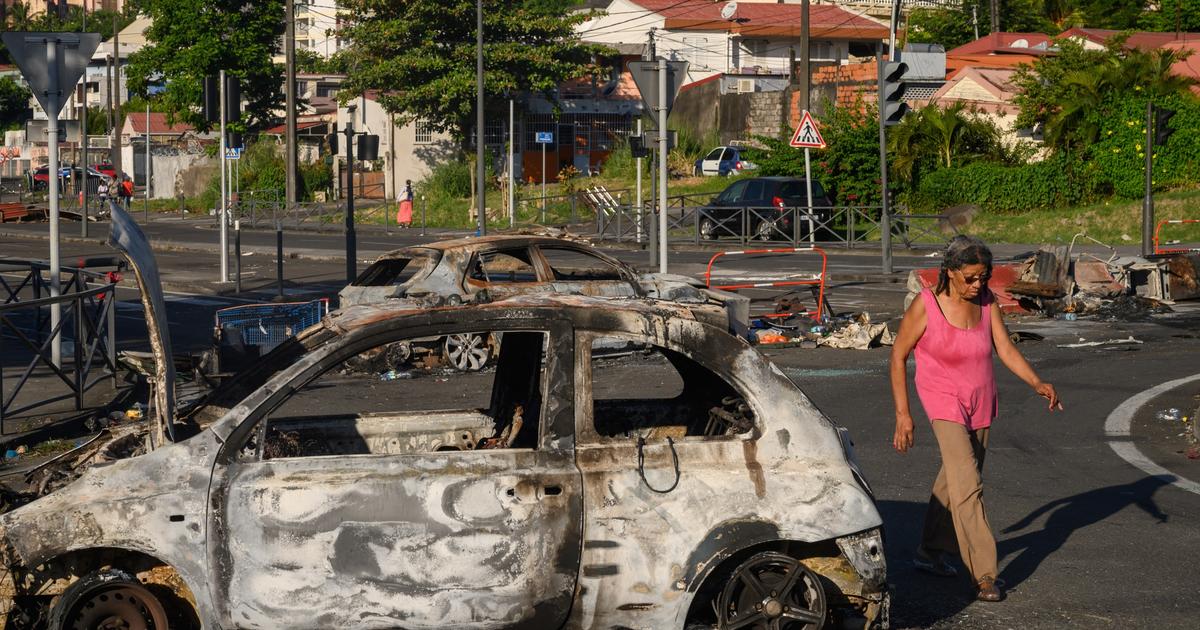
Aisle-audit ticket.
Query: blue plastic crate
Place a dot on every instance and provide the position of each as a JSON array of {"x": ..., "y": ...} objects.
[{"x": 268, "y": 325}]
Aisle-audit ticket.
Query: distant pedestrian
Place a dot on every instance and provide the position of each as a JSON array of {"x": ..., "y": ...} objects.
[
  {"x": 102, "y": 192},
  {"x": 954, "y": 330},
  {"x": 126, "y": 192},
  {"x": 405, "y": 207}
]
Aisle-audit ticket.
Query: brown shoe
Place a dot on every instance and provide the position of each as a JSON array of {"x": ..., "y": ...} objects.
[{"x": 989, "y": 591}]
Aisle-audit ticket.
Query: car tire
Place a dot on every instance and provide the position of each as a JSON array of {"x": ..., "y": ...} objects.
[
  {"x": 708, "y": 229},
  {"x": 698, "y": 172},
  {"x": 466, "y": 352},
  {"x": 764, "y": 230},
  {"x": 111, "y": 596},
  {"x": 791, "y": 594}
]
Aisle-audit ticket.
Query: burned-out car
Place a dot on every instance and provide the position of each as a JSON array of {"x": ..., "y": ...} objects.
[{"x": 690, "y": 485}]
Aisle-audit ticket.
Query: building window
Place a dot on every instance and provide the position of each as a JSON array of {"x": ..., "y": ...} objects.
[{"x": 424, "y": 133}]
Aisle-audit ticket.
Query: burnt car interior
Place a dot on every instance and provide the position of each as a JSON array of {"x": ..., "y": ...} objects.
[
  {"x": 511, "y": 265},
  {"x": 660, "y": 393},
  {"x": 347, "y": 410}
]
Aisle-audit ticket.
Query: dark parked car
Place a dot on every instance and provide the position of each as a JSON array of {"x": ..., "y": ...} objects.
[
  {"x": 40, "y": 177},
  {"x": 769, "y": 206}
]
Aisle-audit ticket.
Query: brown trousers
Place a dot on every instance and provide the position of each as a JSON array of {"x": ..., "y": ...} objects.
[{"x": 955, "y": 520}]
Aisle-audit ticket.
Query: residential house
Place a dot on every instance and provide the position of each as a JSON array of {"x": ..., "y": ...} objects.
[
  {"x": 174, "y": 148},
  {"x": 741, "y": 56},
  {"x": 406, "y": 152}
]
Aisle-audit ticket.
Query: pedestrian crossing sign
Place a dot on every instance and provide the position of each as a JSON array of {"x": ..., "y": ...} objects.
[{"x": 807, "y": 135}]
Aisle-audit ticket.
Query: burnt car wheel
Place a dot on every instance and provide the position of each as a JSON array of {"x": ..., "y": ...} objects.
[
  {"x": 466, "y": 352},
  {"x": 109, "y": 599},
  {"x": 773, "y": 591}
]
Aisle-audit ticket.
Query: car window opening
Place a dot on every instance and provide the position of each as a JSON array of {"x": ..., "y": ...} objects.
[
  {"x": 371, "y": 405},
  {"x": 574, "y": 266},
  {"x": 659, "y": 393},
  {"x": 388, "y": 272},
  {"x": 510, "y": 266}
]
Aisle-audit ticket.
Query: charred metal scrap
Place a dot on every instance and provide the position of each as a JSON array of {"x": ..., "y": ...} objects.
[{"x": 572, "y": 530}]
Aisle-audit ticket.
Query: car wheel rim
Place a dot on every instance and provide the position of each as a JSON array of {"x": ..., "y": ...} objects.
[
  {"x": 706, "y": 229},
  {"x": 773, "y": 591},
  {"x": 467, "y": 352},
  {"x": 118, "y": 607},
  {"x": 765, "y": 229}
]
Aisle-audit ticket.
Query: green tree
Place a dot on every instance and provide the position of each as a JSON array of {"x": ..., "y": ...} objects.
[
  {"x": 421, "y": 55},
  {"x": 950, "y": 27},
  {"x": 14, "y": 103},
  {"x": 1042, "y": 87},
  {"x": 1183, "y": 15},
  {"x": 193, "y": 38}
]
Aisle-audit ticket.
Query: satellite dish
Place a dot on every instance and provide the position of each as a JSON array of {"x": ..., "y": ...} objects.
[{"x": 728, "y": 11}]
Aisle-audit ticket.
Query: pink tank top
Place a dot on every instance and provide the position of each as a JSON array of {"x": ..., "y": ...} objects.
[{"x": 955, "y": 380}]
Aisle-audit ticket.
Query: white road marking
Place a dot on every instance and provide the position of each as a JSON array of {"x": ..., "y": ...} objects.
[{"x": 1117, "y": 426}]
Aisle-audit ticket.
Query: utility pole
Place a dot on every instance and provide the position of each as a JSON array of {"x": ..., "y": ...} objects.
[
  {"x": 479, "y": 135},
  {"x": 1148, "y": 197},
  {"x": 512, "y": 134},
  {"x": 146, "y": 190},
  {"x": 114, "y": 145},
  {"x": 53, "y": 106},
  {"x": 662, "y": 166},
  {"x": 289, "y": 43},
  {"x": 83, "y": 132},
  {"x": 805, "y": 65},
  {"x": 222, "y": 216},
  {"x": 995, "y": 16},
  {"x": 975, "y": 19}
]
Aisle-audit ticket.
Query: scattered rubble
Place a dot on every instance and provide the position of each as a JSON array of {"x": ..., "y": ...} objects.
[
  {"x": 853, "y": 332},
  {"x": 1106, "y": 342}
]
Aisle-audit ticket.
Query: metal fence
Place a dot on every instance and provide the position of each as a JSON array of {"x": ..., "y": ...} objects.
[
  {"x": 844, "y": 226},
  {"x": 87, "y": 327}
]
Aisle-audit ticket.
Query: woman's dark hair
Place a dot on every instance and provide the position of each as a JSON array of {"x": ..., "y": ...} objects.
[{"x": 962, "y": 251}]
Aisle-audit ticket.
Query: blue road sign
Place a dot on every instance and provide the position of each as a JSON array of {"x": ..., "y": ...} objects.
[{"x": 545, "y": 137}]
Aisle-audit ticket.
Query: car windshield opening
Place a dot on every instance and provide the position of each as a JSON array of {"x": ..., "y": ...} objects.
[{"x": 390, "y": 271}]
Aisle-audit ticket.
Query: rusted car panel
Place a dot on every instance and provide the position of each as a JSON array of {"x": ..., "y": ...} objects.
[
  {"x": 567, "y": 533},
  {"x": 126, "y": 237}
]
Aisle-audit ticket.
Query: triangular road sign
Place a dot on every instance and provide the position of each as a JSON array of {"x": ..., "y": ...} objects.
[
  {"x": 72, "y": 53},
  {"x": 645, "y": 75},
  {"x": 807, "y": 135}
]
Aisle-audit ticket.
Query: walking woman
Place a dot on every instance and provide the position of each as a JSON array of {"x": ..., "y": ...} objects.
[{"x": 954, "y": 330}]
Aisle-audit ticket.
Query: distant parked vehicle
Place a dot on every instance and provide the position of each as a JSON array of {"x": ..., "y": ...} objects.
[
  {"x": 723, "y": 161},
  {"x": 766, "y": 203},
  {"x": 39, "y": 179}
]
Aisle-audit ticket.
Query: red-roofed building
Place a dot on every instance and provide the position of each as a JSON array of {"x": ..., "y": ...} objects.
[
  {"x": 135, "y": 125},
  {"x": 1097, "y": 38},
  {"x": 757, "y": 39},
  {"x": 1000, "y": 43}
]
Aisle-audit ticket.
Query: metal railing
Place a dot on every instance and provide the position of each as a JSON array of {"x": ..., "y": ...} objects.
[
  {"x": 844, "y": 226},
  {"x": 87, "y": 327}
]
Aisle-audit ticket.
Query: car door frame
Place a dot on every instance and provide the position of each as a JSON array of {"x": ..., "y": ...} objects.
[
  {"x": 555, "y": 449},
  {"x": 509, "y": 288},
  {"x": 712, "y": 167}
]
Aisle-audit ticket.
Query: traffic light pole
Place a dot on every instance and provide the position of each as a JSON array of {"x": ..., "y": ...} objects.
[
  {"x": 1148, "y": 198},
  {"x": 222, "y": 216},
  {"x": 885, "y": 219}
]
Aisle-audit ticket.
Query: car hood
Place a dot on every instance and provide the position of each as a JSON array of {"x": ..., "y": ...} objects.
[{"x": 127, "y": 237}]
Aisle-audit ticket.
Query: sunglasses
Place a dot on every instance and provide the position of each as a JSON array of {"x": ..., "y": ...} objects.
[{"x": 981, "y": 279}]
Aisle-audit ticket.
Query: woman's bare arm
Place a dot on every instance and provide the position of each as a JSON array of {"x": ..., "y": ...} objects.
[
  {"x": 912, "y": 326},
  {"x": 1015, "y": 361}
]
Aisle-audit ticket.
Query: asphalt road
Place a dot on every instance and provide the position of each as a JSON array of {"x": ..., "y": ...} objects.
[{"x": 1086, "y": 538}]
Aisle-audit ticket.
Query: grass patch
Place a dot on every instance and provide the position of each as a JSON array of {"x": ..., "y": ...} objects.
[{"x": 1115, "y": 222}]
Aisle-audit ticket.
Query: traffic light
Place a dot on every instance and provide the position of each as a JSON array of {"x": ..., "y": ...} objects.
[
  {"x": 891, "y": 92},
  {"x": 212, "y": 99},
  {"x": 1162, "y": 131},
  {"x": 233, "y": 98},
  {"x": 368, "y": 147}
]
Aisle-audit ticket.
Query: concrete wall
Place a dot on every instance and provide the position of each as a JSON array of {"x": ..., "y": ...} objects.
[
  {"x": 165, "y": 170},
  {"x": 703, "y": 109}
]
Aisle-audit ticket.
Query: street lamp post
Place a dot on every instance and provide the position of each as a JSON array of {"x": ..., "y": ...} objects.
[{"x": 479, "y": 179}]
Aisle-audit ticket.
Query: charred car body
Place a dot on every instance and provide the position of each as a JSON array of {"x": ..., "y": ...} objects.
[
  {"x": 555, "y": 504},
  {"x": 695, "y": 485}
]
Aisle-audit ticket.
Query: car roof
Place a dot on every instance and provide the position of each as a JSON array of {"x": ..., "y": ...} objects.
[
  {"x": 472, "y": 244},
  {"x": 579, "y": 308}
]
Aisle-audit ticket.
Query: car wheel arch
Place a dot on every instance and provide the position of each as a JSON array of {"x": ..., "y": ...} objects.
[
  {"x": 707, "y": 577},
  {"x": 50, "y": 578}
]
